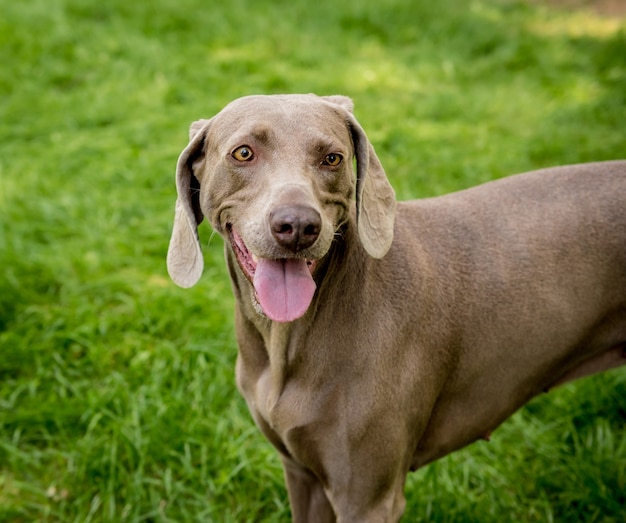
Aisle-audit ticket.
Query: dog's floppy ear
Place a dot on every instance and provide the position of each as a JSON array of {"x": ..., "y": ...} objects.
[
  {"x": 184, "y": 256},
  {"x": 375, "y": 198}
]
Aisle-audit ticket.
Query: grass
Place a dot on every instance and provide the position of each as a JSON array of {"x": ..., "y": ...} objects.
[{"x": 117, "y": 398}]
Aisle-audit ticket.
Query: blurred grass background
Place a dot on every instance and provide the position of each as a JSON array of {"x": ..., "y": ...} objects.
[{"x": 117, "y": 398}]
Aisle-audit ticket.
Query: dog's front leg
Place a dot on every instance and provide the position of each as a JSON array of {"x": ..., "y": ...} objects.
[{"x": 308, "y": 501}]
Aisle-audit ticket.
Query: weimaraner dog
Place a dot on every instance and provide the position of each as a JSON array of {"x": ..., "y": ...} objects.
[{"x": 376, "y": 337}]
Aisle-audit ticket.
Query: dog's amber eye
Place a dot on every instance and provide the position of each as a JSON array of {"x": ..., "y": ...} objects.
[
  {"x": 243, "y": 154},
  {"x": 332, "y": 160}
]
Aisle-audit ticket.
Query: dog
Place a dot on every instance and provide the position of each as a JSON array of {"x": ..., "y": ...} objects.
[{"x": 374, "y": 336}]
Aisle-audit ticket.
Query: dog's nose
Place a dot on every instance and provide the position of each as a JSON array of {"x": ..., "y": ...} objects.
[{"x": 295, "y": 227}]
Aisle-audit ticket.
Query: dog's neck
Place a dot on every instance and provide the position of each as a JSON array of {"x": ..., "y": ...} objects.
[
  {"x": 278, "y": 343},
  {"x": 266, "y": 343},
  {"x": 277, "y": 340}
]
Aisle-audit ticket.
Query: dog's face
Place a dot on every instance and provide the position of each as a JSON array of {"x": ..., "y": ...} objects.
[
  {"x": 274, "y": 176},
  {"x": 277, "y": 181},
  {"x": 262, "y": 153}
]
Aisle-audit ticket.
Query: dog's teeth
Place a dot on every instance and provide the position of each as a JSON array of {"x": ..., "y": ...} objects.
[{"x": 255, "y": 259}]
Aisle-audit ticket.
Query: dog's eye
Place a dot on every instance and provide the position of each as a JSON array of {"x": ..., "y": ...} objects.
[
  {"x": 243, "y": 154},
  {"x": 332, "y": 160}
]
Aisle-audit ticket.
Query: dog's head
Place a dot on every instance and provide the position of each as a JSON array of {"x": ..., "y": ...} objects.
[{"x": 274, "y": 176}]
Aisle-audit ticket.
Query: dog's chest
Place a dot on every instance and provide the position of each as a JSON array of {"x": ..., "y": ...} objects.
[{"x": 281, "y": 409}]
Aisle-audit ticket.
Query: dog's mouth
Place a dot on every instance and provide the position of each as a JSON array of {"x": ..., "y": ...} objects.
[{"x": 284, "y": 288}]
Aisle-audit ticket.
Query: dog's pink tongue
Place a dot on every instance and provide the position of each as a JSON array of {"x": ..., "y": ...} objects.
[{"x": 284, "y": 288}]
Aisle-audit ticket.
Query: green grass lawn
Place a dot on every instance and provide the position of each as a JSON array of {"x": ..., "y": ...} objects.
[{"x": 117, "y": 397}]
